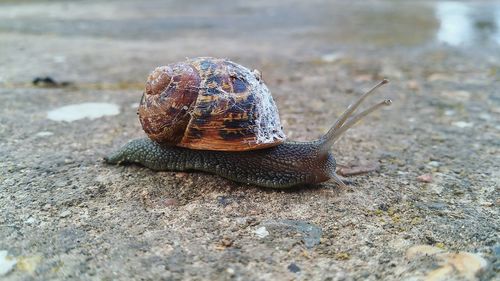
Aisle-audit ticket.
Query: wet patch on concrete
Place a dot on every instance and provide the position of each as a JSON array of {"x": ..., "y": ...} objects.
[
  {"x": 89, "y": 110},
  {"x": 309, "y": 234}
]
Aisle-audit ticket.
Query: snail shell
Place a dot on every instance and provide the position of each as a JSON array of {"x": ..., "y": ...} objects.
[{"x": 209, "y": 104}]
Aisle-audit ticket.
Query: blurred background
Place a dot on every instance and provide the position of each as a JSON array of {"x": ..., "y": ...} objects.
[{"x": 121, "y": 41}]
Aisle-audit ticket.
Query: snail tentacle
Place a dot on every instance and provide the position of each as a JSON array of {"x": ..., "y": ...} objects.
[{"x": 340, "y": 126}]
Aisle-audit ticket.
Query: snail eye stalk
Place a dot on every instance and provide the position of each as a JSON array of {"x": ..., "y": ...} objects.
[
  {"x": 345, "y": 121},
  {"x": 356, "y": 118}
]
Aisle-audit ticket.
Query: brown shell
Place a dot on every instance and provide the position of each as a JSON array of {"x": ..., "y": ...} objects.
[{"x": 210, "y": 104}]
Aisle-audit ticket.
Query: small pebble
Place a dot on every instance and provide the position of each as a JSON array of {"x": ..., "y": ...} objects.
[
  {"x": 226, "y": 242},
  {"x": 463, "y": 124},
  {"x": 293, "y": 268},
  {"x": 452, "y": 266},
  {"x": 251, "y": 221},
  {"x": 60, "y": 183},
  {"x": 413, "y": 85},
  {"x": 223, "y": 200},
  {"x": 168, "y": 202},
  {"x": 436, "y": 206},
  {"x": 425, "y": 178},
  {"x": 46, "y": 207},
  {"x": 44, "y": 134},
  {"x": 6, "y": 263},
  {"x": 342, "y": 256},
  {"x": 181, "y": 175},
  {"x": 487, "y": 204},
  {"x": 241, "y": 220},
  {"x": 65, "y": 214},
  {"x": 230, "y": 271},
  {"x": 261, "y": 232},
  {"x": 331, "y": 57},
  {"x": 434, "y": 164},
  {"x": 438, "y": 137}
]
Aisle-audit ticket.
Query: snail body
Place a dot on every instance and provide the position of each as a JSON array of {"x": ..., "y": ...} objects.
[
  {"x": 282, "y": 166},
  {"x": 216, "y": 116}
]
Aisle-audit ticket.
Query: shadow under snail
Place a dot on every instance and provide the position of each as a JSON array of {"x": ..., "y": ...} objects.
[{"x": 216, "y": 116}]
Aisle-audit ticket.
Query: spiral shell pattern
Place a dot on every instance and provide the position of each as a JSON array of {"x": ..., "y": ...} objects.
[{"x": 209, "y": 104}]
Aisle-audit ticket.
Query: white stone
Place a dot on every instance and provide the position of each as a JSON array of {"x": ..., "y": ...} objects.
[
  {"x": 6, "y": 263},
  {"x": 44, "y": 134},
  {"x": 261, "y": 232},
  {"x": 30, "y": 220},
  {"x": 449, "y": 112},
  {"x": 230, "y": 271},
  {"x": 331, "y": 57},
  {"x": 434, "y": 163},
  {"x": 65, "y": 213},
  {"x": 462, "y": 124},
  {"x": 90, "y": 110}
]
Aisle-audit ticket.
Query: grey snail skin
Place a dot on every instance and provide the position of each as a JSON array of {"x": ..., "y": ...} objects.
[{"x": 213, "y": 115}]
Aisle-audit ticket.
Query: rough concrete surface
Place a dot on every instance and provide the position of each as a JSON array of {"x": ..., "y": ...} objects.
[{"x": 430, "y": 211}]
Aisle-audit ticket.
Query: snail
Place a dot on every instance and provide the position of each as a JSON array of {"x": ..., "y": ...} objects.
[{"x": 216, "y": 116}]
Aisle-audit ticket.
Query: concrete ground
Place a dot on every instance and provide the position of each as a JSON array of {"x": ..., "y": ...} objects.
[{"x": 429, "y": 212}]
